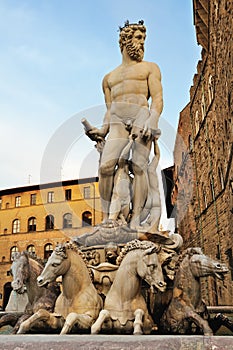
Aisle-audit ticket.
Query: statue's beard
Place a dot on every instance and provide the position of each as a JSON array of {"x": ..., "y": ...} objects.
[{"x": 135, "y": 51}]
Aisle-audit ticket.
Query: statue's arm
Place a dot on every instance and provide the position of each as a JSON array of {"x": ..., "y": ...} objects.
[
  {"x": 156, "y": 94},
  {"x": 108, "y": 101},
  {"x": 102, "y": 132}
]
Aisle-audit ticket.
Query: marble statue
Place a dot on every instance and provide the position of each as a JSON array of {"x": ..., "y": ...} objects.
[
  {"x": 134, "y": 102},
  {"x": 125, "y": 309},
  {"x": 78, "y": 304}
]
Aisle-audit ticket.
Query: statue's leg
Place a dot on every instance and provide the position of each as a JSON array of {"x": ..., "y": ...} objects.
[
  {"x": 220, "y": 320},
  {"x": 23, "y": 318},
  {"x": 96, "y": 327},
  {"x": 141, "y": 151},
  {"x": 138, "y": 322},
  {"x": 83, "y": 321},
  {"x": 40, "y": 315},
  {"x": 117, "y": 140},
  {"x": 200, "y": 322},
  {"x": 9, "y": 319}
]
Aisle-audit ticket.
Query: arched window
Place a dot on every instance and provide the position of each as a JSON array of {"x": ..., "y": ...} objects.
[
  {"x": 67, "y": 220},
  {"x": 221, "y": 178},
  {"x": 86, "y": 218},
  {"x": 48, "y": 249},
  {"x": 212, "y": 190},
  {"x": 16, "y": 226},
  {"x": 32, "y": 224},
  {"x": 49, "y": 222},
  {"x": 196, "y": 122},
  {"x": 31, "y": 249},
  {"x": 205, "y": 203},
  {"x": 210, "y": 89},
  {"x": 13, "y": 250},
  {"x": 203, "y": 106}
]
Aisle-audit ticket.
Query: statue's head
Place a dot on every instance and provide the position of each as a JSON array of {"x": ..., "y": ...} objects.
[{"x": 132, "y": 37}]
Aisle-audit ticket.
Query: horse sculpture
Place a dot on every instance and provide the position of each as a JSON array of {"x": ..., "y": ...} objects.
[
  {"x": 125, "y": 308},
  {"x": 186, "y": 305},
  {"x": 25, "y": 270},
  {"x": 79, "y": 303}
]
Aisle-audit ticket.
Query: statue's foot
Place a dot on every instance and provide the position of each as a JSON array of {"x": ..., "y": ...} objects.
[{"x": 109, "y": 223}]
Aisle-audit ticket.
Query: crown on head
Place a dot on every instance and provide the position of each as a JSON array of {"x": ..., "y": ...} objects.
[{"x": 127, "y": 24}]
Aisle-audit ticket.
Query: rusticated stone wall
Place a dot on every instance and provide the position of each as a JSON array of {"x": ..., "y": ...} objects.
[{"x": 205, "y": 216}]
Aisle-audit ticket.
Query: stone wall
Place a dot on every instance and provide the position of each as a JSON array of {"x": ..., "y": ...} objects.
[{"x": 205, "y": 216}]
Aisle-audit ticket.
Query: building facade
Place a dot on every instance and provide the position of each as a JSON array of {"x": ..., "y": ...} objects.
[
  {"x": 35, "y": 218},
  {"x": 203, "y": 176}
]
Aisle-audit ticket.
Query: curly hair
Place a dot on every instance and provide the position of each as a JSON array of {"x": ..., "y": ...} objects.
[{"x": 126, "y": 33}]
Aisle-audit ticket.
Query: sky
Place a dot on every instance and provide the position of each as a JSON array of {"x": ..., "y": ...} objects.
[{"x": 54, "y": 55}]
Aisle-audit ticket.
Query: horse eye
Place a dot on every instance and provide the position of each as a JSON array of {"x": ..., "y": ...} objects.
[{"x": 55, "y": 264}]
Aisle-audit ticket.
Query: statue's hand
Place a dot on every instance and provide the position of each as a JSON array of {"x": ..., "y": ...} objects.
[
  {"x": 150, "y": 129},
  {"x": 96, "y": 134}
]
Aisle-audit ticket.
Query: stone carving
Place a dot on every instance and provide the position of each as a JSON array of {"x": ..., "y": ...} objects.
[
  {"x": 186, "y": 306},
  {"x": 125, "y": 309},
  {"x": 103, "y": 277},
  {"x": 127, "y": 180},
  {"x": 111, "y": 252},
  {"x": 78, "y": 304},
  {"x": 92, "y": 257},
  {"x": 25, "y": 270}
]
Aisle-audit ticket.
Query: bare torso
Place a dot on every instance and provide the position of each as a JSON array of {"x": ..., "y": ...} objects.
[{"x": 129, "y": 89}]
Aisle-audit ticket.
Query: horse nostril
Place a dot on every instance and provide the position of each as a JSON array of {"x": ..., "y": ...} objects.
[
  {"x": 162, "y": 284},
  {"x": 39, "y": 279}
]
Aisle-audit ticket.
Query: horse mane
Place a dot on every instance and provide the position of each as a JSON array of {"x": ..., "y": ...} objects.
[
  {"x": 34, "y": 257},
  {"x": 60, "y": 249},
  {"x": 189, "y": 252},
  {"x": 133, "y": 245}
]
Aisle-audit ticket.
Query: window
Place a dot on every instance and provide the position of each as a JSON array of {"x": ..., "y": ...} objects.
[
  {"x": 67, "y": 220},
  {"x": 86, "y": 218},
  {"x": 196, "y": 122},
  {"x": 210, "y": 89},
  {"x": 13, "y": 250},
  {"x": 50, "y": 197},
  {"x": 205, "y": 199},
  {"x": 7, "y": 205},
  {"x": 17, "y": 201},
  {"x": 49, "y": 222},
  {"x": 16, "y": 226},
  {"x": 221, "y": 178},
  {"x": 31, "y": 249},
  {"x": 87, "y": 192},
  {"x": 203, "y": 107},
  {"x": 33, "y": 199},
  {"x": 48, "y": 249},
  {"x": 32, "y": 224},
  {"x": 68, "y": 195},
  {"x": 212, "y": 190}
]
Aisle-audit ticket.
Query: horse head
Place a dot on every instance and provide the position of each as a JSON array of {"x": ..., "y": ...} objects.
[
  {"x": 202, "y": 265},
  {"x": 57, "y": 265},
  {"x": 150, "y": 270},
  {"x": 20, "y": 271}
]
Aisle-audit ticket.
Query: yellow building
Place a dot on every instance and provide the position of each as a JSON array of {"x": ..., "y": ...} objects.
[{"x": 37, "y": 217}]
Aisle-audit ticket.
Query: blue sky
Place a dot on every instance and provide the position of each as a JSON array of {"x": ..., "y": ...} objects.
[{"x": 54, "y": 55}]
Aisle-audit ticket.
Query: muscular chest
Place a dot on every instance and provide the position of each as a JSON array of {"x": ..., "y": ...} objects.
[{"x": 124, "y": 74}]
